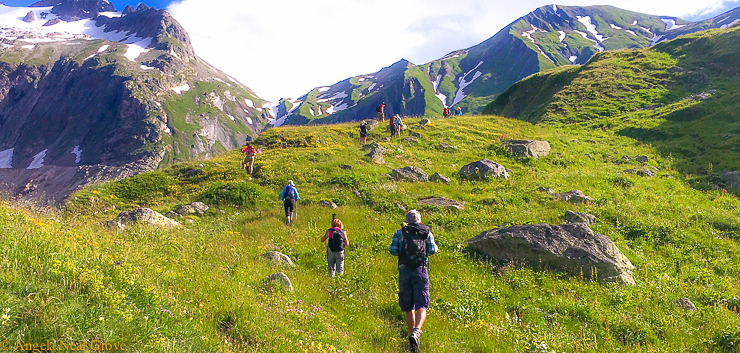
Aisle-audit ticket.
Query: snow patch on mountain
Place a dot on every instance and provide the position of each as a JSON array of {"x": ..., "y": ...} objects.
[
  {"x": 324, "y": 89},
  {"x": 249, "y": 102},
  {"x": 250, "y": 121},
  {"x": 613, "y": 26},
  {"x": 656, "y": 40},
  {"x": 528, "y": 35},
  {"x": 436, "y": 82},
  {"x": 573, "y": 59},
  {"x": 730, "y": 24},
  {"x": 596, "y": 44},
  {"x": 6, "y": 159},
  {"x": 562, "y": 36},
  {"x": 103, "y": 48},
  {"x": 30, "y": 46},
  {"x": 180, "y": 89},
  {"x": 371, "y": 87},
  {"x": 462, "y": 83},
  {"x": 339, "y": 95},
  {"x": 670, "y": 24},
  {"x": 630, "y": 32},
  {"x": 646, "y": 29},
  {"x": 586, "y": 21},
  {"x": 442, "y": 98},
  {"x": 144, "y": 67},
  {"x": 138, "y": 48},
  {"x": 78, "y": 154},
  {"x": 38, "y": 160},
  {"x": 634, "y": 22}
]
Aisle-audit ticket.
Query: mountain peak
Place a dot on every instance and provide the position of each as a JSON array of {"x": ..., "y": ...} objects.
[{"x": 74, "y": 10}]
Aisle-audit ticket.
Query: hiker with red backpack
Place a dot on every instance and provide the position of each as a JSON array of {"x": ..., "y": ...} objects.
[
  {"x": 338, "y": 240},
  {"x": 380, "y": 110},
  {"x": 446, "y": 112},
  {"x": 413, "y": 244},
  {"x": 249, "y": 157},
  {"x": 289, "y": 197},
  {"x": 392, "y": 126}
]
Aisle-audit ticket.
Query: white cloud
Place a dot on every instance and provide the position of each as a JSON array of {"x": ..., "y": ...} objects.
[{"x": 284, "y": 48}]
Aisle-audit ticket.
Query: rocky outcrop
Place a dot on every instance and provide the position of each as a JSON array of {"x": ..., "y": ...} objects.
[
  {"x": 127, "y": 10},
  {"x": 411, "y": 139},
  {"x": 30, "y": 17},
  {"x": 482, "y": 169},
  {"x": 439, "y": 177},
  {"x": 573, "y": 196},
  {"x": 328, "y": 204},
  {"x": 447, "y": 147},
  {"x": 410, "y": 173},
  {"x": 686, "y": 304},
  {"x": 278, "y": 281},
  {"x": 572, "y": 248},
  {"x": 641, "y": 172},
  {"x": 197, "y": 208},
  {"x": 278, "y": 258},
  {"x": 441, "y": 202},
  {"x": 147, "y": 217},
  {"x": 527, "y": 148},
  {"x": 731, "y": 178},
  {"x": 372, "y": 124},
  {"x": 74, "y": 10},
  {"x": 376, "y": 152},
  {"x": 578, "y": 217}
]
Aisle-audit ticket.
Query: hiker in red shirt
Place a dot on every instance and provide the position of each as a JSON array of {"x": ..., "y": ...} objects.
[
  {"x": 249, "y": 158},
  {"x": 380, "y": 109}
]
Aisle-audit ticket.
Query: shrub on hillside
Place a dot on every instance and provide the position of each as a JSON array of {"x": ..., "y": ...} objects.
[
  {"x": 241, "y": 194},
  {"x": 142, "y": 186}
]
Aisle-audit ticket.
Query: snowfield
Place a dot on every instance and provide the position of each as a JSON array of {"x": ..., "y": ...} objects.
[
  {"x": 6, "y": 159},
  {"x": 138, "y": 48},
  {"x": 462, "y": 83},
  {"x": 38, "y": 160},
  {"x": 670, "y": 24},
  {"x": 78, "y": 154},
  {"x": 180, "y": 89},
  {"x": 586, "y": 21}
]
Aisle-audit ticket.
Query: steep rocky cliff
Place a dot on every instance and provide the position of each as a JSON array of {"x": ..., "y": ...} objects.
[{"x": 102, "y": 95}]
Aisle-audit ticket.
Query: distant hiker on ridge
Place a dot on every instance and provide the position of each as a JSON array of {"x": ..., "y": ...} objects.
[
  {"x": 338, "y": 240},
  {"x": 413, "y": 243},
  {"x": 363, "y": 133},
  {"x": 249, "y": 157},
  {"x": 289, "y": 197},
  {"x": 392, "y": 126},
  {"x": 399, "y": 124},
  {"x": 380, "y": 110},
  {"x": 458, "y": 112},
  {"x": 446, "y": 112}
]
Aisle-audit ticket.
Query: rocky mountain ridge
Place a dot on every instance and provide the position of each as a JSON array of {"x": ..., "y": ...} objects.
[
  {"x": 548, "y": 37},
  {"x": 118, "y": 93}
]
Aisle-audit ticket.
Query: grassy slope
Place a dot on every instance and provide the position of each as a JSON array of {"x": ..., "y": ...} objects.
[
  {"x": 645, "y": 94},
  {"x": 65, "y": 276}
]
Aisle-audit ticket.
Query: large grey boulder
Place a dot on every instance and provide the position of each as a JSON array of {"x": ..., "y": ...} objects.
[
  {"x": 573, "y": 196},
  {"x": 327, "y": 203},
  {"x": 372, "y": 124},
  {"x": 376, "y": 152},
  {"x": 197, "y": 207},
  {"x": 732, "y": 178},
  {"x": 278, "y": 281},
  {"x": 441, "y": 202},
  {"x": 146, "y": 216},
  {"x": 424, "y": 122},
  {"x": 572, "y": 248},
  {"x": 578, "y": 217},
  {"x": 278, "y": 258},
  {"x": 447, "y": 147},
  {"x": 527, "y": 148},
  {"x": 410, "y": 173},
  {"x": 484, "y": 168},
  {"x": 686, "y": 304},
  {"x": 439, "y": 177}
]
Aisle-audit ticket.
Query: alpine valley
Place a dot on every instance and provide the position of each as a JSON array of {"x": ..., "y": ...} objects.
[
  {"x": 90, "y": 94},
  {"x": 549, "y": 37}
]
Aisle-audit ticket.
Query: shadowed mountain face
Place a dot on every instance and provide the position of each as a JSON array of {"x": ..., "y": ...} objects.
[
  {"x": 548, "y": 37},
  {"x": 123, "y": 95}
]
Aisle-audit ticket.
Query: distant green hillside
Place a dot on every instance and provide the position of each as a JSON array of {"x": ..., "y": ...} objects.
[
  {"x": 682, "y": 97},
  {"x": 199, "y": 288}
]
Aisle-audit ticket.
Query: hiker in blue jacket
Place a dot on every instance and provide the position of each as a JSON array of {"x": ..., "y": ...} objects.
[
  {"x": 413, "y": 244},
  {"x": 289, "y": 197}
]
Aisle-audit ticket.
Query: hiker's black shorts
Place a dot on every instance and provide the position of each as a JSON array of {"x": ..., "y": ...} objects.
[
  {"x": 363, "y": 134},
  {"x": 413, "y": 288},
  {"x": 289, "y": 205}
]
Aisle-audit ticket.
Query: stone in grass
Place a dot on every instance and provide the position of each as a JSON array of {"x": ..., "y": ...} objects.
[
  {"x": 410, "y": 173},
  {"x": 484, "y": 168},
  {"x": 414, "y": 134},
  {"x": 424, "y": 122},
  {"x": 447, "y": 147},
  {"x": 571, "y": 248},
  {"x": 277, "y": 281},
  {"x": 441, "y": 202},
  {"x": 686, "y": 304},
  {"x": 146, "y": 216},
  {"x": 345, "y": 167},
  {"x": 642, "y": 159},
  {"x": 197, "y": 208},
  {"x": 372, "y": 124},
  {"x": 527, "y": 148},
  {"x": 327, "y": 203},
  {"x": 641, "y": 172},
  {"x": 573, "y": 196},
  {"x": 410, "y": 139},
  {"x": 172, "y": 214},
  {"x": 114, "y": 225},
  {"x": 731, "y": 178},
  {"x": 578, "y": 217},
  {"x": 278, "y": 258},
  {"x": 439, "y": 177}
]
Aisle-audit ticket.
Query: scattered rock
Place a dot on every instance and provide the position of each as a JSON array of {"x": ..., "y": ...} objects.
[
  {"x": 447, "y": 147},
  {"x": 114, "y": 225},
  {"x": 484, "y": 168},
  {"x": 703, "y": 96},
  {"x": 172, "y": 214},
  {"x": 146, "y": 216},
  {"x": 52, "y": 22},
  {"x": 278, "y": 258},
  {"x": 193, "y": 172},
  {"x": 642, "y": 159},
  {"x": 578, "y": 217},
  {"x": 686, "y": 304},
  {"x": 128, "y": 9},
  {"x": 573, "y": 248},
  {"x": 372, "y": 124},
  {"x": 588, "y": 156},
  {"x": 625, "y": 158},
  {"x": 278, "y": 281},
  {"x": 411, "y": 139},
  {"x": 30, "y": 17},
  {"x": 424, "y": 122},
  {"x": 197, "y": 207},
  {"x": 327, "y": 203},
  {"x": 641, "y": 172},
  {"x": 439, "y": 177},
  {"x": 414, "y": 134},
  {"x": 527, "y": 148},
  {"x": 573, "y": 196},
  {"x": 385, "y": 139},
  {"x": 357, "y": 193},
  {"x": 399, "y": 206},
  {"x": 345, "y": 167},
  {"x": 731, "y": 178},
  {"x": 441, "y": 202},
  {"x": 376, "y": 152},
  {"x": 410, "y": 173},
  {"x": 547, "y": 190}
]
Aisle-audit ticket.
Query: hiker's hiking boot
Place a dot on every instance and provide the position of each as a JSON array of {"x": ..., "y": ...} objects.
[{"x": 415, "y": 339}]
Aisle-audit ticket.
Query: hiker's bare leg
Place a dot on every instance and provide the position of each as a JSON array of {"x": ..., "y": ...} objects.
[
  {"x": 410, "y": 317},
  {"x": 251, "y": 165},
  {"x": 421, "y": 315}
]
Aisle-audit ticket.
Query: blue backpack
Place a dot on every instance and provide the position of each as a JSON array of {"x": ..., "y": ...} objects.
[{"x": 289, "y": 192}]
